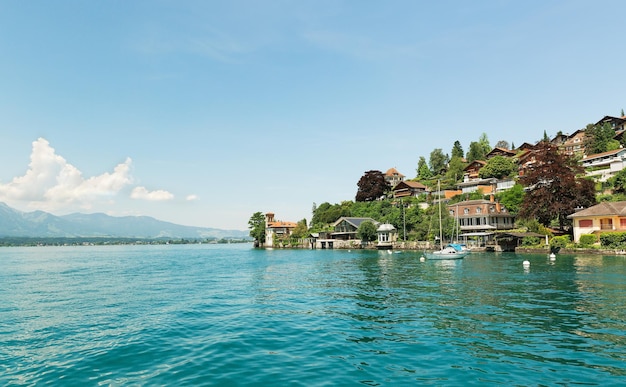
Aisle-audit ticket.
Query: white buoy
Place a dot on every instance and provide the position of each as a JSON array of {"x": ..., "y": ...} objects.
[
  {"x": 422, "y": 258},
  {"x": 526, "y": 263},
  {"x": 552, "y": 256}
]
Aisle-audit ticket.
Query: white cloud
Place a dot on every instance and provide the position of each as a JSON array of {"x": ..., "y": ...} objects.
[
  {"x": 143, "y": 194},
  {"x": 191, "y": 197},
  {"x": 52, "y": 183}
]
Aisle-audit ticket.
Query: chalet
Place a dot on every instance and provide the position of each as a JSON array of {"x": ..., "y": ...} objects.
[
  {"x": 275, "y": 229},
  {"x": 408, "y": 188},
  {"x": 472, "y": 169},
  {"x": 345, "y": 228},
  {"x": 603, "y": 217},
  {"x": 525, "y": 147},
  {"x": 500, "y": 152},
  {"x": 575, "y": 143},
  {"x": 559, "y": 140},
  {"x": 393, "y": 177},
  {"x": 616, "y": 123},
  {"x": 603, "y": 166}
]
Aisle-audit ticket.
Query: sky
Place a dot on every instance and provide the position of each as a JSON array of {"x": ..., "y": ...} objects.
[{"x": 202, "y": 113}]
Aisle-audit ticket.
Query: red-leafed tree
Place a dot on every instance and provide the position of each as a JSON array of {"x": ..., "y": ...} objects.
[
  {"x": 372, "y": 186},
  {"x": 555, "y": 187}
]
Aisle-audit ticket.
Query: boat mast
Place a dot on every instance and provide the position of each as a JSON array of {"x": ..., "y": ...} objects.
[{"x": 440, "y": 225}]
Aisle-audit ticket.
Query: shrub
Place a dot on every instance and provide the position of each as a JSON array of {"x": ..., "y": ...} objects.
[
  {"x": 613, "y": 240},
  {"x": 530, "y": 241},
  {"x": 588, "y": 240},
  {"x": 559, "y": 241}
]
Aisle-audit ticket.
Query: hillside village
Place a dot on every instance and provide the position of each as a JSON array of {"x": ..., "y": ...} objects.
[{"x": 474, "y": 212}]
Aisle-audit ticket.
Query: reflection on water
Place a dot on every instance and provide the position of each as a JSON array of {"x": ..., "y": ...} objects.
[{"x": 215, "y": 315}]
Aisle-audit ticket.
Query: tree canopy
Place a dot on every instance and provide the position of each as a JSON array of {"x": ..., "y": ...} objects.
[
  {"x": 599, "y": 138},
  {"x": 498, "y": 167},
  {"x": 554, "y": 188},
  {"x": 438, "y": 161},
  {"x": 367, "y": 232},
  {"x": 457, "y": 150},
  {"x": 372, "y": 186},
  {"x": 256, "y": 224},
  {"x": 423, "y": 172}
]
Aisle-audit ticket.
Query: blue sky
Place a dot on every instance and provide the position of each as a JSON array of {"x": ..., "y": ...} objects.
[{"x": 204, "y": 112}]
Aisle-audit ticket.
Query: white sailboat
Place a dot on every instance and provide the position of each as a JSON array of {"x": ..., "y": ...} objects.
[{"x": 451, "y": 250}]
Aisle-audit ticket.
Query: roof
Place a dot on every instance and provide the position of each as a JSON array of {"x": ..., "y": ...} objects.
[
  {"x": 602, "y": 209},
  {"x": 356, "y": 222},
  {"x": 393, "y": 172},
  {"x": 603, "y": 154},
  {"x": 410, "y": 184},
  {"x": 281, "y": 224}
]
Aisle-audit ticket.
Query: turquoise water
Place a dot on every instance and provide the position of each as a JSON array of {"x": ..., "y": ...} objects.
[{"x": 231, "y": 315}]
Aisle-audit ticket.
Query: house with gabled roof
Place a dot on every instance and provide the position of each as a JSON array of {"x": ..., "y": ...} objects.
[
  {"x": 526, "y": 147},
  {"x": 276, "y": 229},
  {"x": 617, "y": 123},
  {"x": 603, "y": 166},
  {"x": 408, "y": 188},
  {"x": 345, "y": 228},
  {"x": 472, "y": 169},
  {"x": 500, "y": 152},
  {"x": 575, "y": 143},
  {"x": 603, "y": 217},
  {"x": 393, "y": 177}
]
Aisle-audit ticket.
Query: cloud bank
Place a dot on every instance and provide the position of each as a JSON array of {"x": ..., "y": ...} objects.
[{"x": 51, "y": 183}]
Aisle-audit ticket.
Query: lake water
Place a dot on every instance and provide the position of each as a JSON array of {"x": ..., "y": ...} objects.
[{"x": 232, "y": 315}]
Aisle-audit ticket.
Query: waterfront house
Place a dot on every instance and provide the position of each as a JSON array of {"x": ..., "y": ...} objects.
[
  {"x": 478, "y": 219},
  {"x": 603, "y": 166},
  {"x": 603, "y": 217},
  {"x": 345, "y": 228},
  {"x": 387, "y": 235},
  {"x": 276, "y": 229}
]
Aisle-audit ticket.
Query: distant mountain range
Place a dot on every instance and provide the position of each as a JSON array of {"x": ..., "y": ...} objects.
[{"x": 40, "y": 224}]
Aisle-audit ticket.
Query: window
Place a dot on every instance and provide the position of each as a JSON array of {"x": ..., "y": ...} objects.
[
  {"x": 585, "y": 223},
  {"x": 479, "y": 210},
  {"x": 606, "y": 224},
  {"x": 466, "y": 211},
  {"x": 622, "y": 222}
]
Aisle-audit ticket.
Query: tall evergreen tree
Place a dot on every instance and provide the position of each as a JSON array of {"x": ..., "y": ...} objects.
[
  {"x": 423, "y": 172},
  {"x": 457, "y": 150}
]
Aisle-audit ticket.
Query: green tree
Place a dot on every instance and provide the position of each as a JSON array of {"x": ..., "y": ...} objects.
[
  {"x": 423, "y": 172},
  {"x": 554, "y": 188},
  {"x": 545, "y": 137},
  {"x": 457, "y": 150},
  {"x": 438, "y": 161},
  {"x": 599, "y": 138},
  {"x": 301, "y": 230},
  {"x": 512, "y": 198},
  {"x": 367, "y": 232},
  {"x": 502, "y": 144},
  {"x": 618, "y": 182},
  {"x": 455, "y": 170},
  {"x": 256, "y": 224},
  {"x": 372, "y": 186},
  {"x": 498, "y": 167},
  {"x": 478, "y": 149}
]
